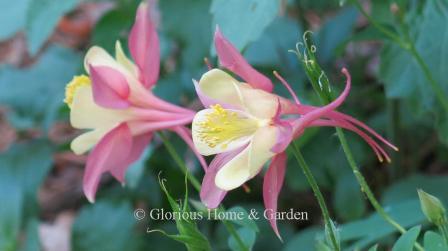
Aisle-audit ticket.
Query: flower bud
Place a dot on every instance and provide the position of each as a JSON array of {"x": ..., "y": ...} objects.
[{"x": 432, "y": 208}]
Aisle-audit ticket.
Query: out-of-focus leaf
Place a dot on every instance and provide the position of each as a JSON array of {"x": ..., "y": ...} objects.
[
  {"x": 243, "y": 22},
  {"x": 374, "y": 248},
  {"x": 12, "y": 17},
  {"x": 103, "y": 226},
  {"x": 402, "y": 76},
  {"x": 348, "y": 198},
  {"x": 381, "y": 11},
  {"x": 193, "y": 32},
  {"x": 304, "y": 240},
  {"x": 22, "y": 170},
  {"x": 328, "y": 169},
  {"x": 406, "y": 189},
  {"x": 25, "y": 87},
  {"x": 247, "y": 235},
  {"x": 32, "y": 236},
  {"x": 27, "y": 164},
  {"x": 11, "y": 211},
  {"x": 434, "y": 242},
  {"x": 271, "y": 49},
  {"x": 321, "y": 246},
  {"x": 135, "y": 172},
  {"x": 42, "y": 17},
  {"x": 334, "y": 32},
  {"x": 364, "y": 232},
  {"x": 246, "y": 221},
  {"x": 113, "y": 26},
  {"x": 407, "y": 240}
]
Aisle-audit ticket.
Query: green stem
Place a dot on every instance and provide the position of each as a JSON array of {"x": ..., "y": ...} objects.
[
  {"x": 410, "y": 47},
  {"x": 365, "y": 187},
  {"x": 320, "y": 198},
  {"x": 436, "y": 88},
  {"x": 195, "y": 183},
  {"x": 380, "y": 27},
  {"x": 444, "y": 231}
]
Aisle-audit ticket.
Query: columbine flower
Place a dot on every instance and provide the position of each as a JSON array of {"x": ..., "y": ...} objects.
[
  {"x": 117, "y": 107},
  {"x": 244, "y": 125}
]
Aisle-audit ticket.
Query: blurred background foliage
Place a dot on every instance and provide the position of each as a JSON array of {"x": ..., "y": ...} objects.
[{"x": 42, "y": 46}]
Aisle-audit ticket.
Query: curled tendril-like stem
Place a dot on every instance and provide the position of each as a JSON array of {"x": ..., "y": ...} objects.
[
  {"x": 321, "y": 77},
  {"x": 161, "y": 181},
  {"x": 307, "y": 49}
]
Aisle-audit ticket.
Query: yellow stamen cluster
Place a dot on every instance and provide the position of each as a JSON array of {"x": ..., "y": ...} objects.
[
  {"x": 222, "y": 126},
  {"x": 70, "y": 89}
]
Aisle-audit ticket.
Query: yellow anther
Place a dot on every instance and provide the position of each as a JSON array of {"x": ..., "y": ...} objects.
[
  {"x": 70, "y": 89},
  {"x": 221, "y": 126}
]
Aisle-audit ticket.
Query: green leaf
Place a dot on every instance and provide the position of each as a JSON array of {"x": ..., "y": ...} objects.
[
  {"x": 253, "y": 17},
  {"x": 10, "y": 212},
  {"x": 406, "y": 189},
  {"x": 246, "y": 221},
  {"x": 348, "y": 199},
  {"x": 364, "y": 232},
  {"x": 304, "y": 240},
  {"x": 334, "y": 32},
  {"x": 193, "y": 33},
  {"x": 12, "y": 17},
  {"x": 247, "y": 235},
  {"x": 407, "y": 240},
  {"x": 271, "y": 49},
  {"x": 403, "y": 77},
  {"x": 135, "y": 171},
  {"x": 434, "y": 242},
  {"x": 113, "y": 26},
  {"x": 49, "y": 75},
  {"x": 32, "y": 236},
  {"x": 97, "y": 223},
  {"x": 321, "y": 246},
  {"x": 42, "y": 17},
  {"x": 27, "y": 165},
  {"x": 374, "y": 248},
  {"x": 189, "y": 233}
]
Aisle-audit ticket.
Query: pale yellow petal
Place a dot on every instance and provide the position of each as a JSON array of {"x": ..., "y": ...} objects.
[
  {"x": 208, "y": 142},
  {"x": 86, "y": 114},
  {"x": 122, "y": 59},
  {"x": 87, "y": 141},
  {"x": 249, "y": 162},
  {"x": 220, "y": 86}
]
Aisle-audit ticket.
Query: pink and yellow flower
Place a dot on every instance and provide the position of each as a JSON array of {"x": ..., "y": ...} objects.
[
  {"x": 117, "y": 107},
  {"x": 245, "y": 125}
]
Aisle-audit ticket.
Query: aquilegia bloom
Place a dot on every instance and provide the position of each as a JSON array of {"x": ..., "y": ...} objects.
[
  {"x": 245, "y": 125},
  {"x": 117, "y": 106}
]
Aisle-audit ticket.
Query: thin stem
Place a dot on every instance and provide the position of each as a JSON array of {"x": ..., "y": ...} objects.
[
  {"x": 410, "y": 47},
  {"x": 380, "y": 27},
  {"x": 444, "y": 231},
  {"x": 197, "y": 186},
  {"x": 437, "y": 89},
  {"x": 365, "y": 187},
  {"x": 320, "y": 198}
]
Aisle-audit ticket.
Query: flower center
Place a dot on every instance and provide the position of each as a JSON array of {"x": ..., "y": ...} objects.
[
  {"x": 70, "y": 89},
  {"x": 222, "y": 126}
]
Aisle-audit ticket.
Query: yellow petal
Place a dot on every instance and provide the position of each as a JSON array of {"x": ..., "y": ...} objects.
[
  {"x": 218, "y": 85},
  {"x": 87, "y": 141},
  {"x": 219, "y": 130},
  {"x": 249, "y": 162},
  {"x": 86, "y": 114}
]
